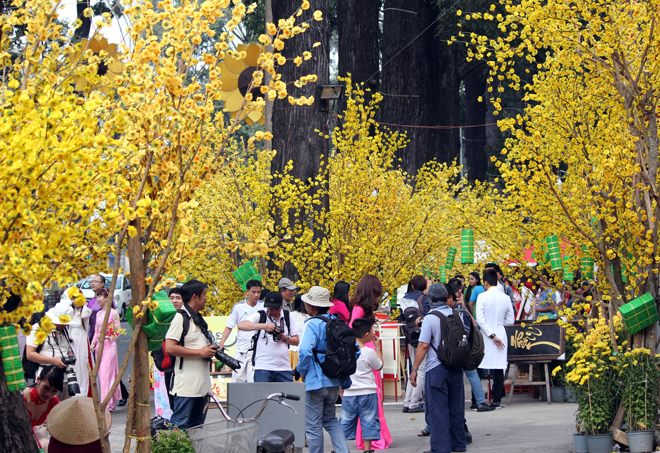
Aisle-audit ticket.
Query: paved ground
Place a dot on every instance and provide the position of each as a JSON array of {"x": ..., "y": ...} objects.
[{"x": 527, "y": 426}]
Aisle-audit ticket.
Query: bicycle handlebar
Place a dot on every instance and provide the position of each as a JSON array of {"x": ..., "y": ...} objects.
[{"x": 279, "y": 397}]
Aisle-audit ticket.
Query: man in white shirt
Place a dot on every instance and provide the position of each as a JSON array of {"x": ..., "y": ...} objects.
[
  {"x": 192, "y": 378},
  {"x": 275, "y": 332},
  {"x": 494, "y": 311},
  {"x": 240, "y": 312}
]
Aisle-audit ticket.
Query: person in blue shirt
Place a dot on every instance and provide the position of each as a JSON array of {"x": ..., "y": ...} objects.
[
  {"x": 474, "y": 289},
  {"x": 320, "y": 391}
]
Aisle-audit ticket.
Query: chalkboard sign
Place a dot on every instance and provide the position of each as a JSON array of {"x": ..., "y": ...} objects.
[{"x": 540, "y": 342}]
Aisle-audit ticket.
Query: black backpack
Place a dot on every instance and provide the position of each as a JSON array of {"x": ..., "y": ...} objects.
[
  {"x": 410, "y": 316},
  {"x": 29, "y": 367},
  {"x": 341, "y": 348},
  {"x": 262, "y": 319},
  {"x": 453, "y": 351},
  {"x": 165, "y": 362},
  {"x": 477, "y": 342}
]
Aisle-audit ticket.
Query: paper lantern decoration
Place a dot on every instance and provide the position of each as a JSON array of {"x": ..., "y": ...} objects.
[
  {"x": 554, "y": 252},
  {"x": 158, "y": 320},
  {"x": 587, "y": 265},
  {"x": 443, "y": 274},
  {"x": 467, "y": 247},
  {"x": 451, "y": 257},
  {"x": 11, "y": 359},
  {"x": 245, "y": 273},
  {"x": 639, "y": 313},
  {"x": 568, "y": 273}
]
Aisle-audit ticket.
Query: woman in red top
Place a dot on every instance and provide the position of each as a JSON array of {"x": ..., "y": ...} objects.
[
  {"x": 41, "y": 399},
  {"x": 340, "y": 297}
]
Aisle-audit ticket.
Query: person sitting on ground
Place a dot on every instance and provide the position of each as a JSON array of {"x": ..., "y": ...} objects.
[
  {"x": 41, "y": 399},
  {"x": 361, "y": 399},
  {"x": 275, "y": 332},
  {"x": 73, "y": 427}
]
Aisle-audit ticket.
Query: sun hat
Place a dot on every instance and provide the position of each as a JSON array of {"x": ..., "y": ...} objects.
[
  {"x": 273, "y": 299},
  {"x": 437, "y": 293},
  {"x": 60, "y": 309},
  {"x": 286, "y": 283},
  {"x": 73, "y": 421},
  {"x": 318, "y": 297}
]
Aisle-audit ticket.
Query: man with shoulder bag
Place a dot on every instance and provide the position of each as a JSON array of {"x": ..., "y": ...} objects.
[{"x": 186, "y": 340}]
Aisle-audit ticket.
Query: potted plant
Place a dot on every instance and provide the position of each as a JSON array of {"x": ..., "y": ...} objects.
[
  {"x": 171, "y": 441},
  {"x": 638, "y": 377}
]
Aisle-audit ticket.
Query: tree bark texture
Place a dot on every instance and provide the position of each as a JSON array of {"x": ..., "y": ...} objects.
[
  {"x": 358, "y": 44},
  {"x": 474, "y": 138},
  {"x": 294, "y": 127},
  {"x": 419, "y": 83},
  {"x": 15, "y": 426}
]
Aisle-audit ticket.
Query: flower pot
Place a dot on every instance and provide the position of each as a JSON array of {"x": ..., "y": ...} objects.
[
  {"x": 557, "y": 394},
  {"x": 571, "y": 396},
  {"x": 600, "y": 443},
  {"x": 580, "y": 441},
  {"x": 640, "y": 441}
]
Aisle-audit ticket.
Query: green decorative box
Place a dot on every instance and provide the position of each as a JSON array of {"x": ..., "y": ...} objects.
[
  {"x": 569, "y": 276},
  {"x": 639, "y": 313},
  {"x": 467, "y": 247},
  {"x": 11, "y": 359},
  {"x": 554, "y": 252},
  {"x": 443, "y": 274},
  {"x": 587, "y": 265},
  {"x": 158, "y": 320},
  {"x": 451, "y": 257},
  {"x": 245, "y": 273}
]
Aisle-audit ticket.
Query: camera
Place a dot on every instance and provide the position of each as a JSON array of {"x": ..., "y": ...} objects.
[
  {"x": 71, "y": 380},
  {"x": 221, "y": 355}
]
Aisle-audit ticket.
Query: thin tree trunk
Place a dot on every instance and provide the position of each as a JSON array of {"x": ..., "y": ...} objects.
[{"x": 476, "y": 159}]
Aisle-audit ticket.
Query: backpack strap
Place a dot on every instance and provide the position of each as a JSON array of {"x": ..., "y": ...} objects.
[
  {"x": 184, "y": 332},
  {"x": 287, "y": 321},
  {"x": 314, "y": 351},
  {"x": 443, "y": 325},
  {"x": 255, "y": 337},
  {"x": 420, "y": 303}
]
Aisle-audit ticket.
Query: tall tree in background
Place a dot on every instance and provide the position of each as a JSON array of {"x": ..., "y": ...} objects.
[
  {"x": 295, "y": 127},
  {"x": 359, "y": 52},
  {"x": 419, "y": 83}
]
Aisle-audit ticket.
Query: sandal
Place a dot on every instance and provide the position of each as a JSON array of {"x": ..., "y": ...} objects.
[{"x": 424, "y": 433}]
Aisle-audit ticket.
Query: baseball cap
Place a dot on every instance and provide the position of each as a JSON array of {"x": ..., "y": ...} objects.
[
  {"x": 437, "y": 292},
  {"x": 286, "y": 283},
  {"x": 273, "y": 299}
]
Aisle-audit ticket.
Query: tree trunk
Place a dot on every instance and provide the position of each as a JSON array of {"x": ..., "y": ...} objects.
[
  {"x": 15, "y": 427},
  {"x": 359, "y": 41},
  {"x": 138, "y": 419},
  {"x": 474, "y": 145},
  {"x": 294, "y": 127},
  {"x": 82, "y": 32},
  {"x": 419, "y": 84}
]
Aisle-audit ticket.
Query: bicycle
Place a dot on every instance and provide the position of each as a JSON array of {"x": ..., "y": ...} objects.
[{"x": 240, "y": 436}]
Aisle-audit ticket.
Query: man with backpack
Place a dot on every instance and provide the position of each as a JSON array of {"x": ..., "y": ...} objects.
[
  {"x": 414, "y": 305},
  {"x": 328, "y": 357},
  {"x": 270, "y": 344},
  {"x": 494, "y": 311},
  {"x": 444, "y": 343}
]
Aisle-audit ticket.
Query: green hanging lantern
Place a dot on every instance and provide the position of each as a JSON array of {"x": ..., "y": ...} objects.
[
  {"x": 569, "y": 276},
  {"x": 587, "y": 265},
  {"x": 11, "y": 359},
  {"x": 451, "y": 257},
  {"x": 443, "y": 274},
  {"x": 467, "y": 247},
  {"x": 554, "y": 253},
  {"x": 245, "y": 273},
  {"x": 639, "y": 313}
]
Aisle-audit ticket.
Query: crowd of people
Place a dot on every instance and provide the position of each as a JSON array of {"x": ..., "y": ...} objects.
[{"x": 281, "y": 337}]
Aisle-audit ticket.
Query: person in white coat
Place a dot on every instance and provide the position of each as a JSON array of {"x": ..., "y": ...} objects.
[
  {"x": 78, "y": 329},
  {"x": 494, "y": 311}
]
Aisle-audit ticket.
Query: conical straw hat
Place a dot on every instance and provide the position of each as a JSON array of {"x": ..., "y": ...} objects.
[{"x": 73, "y": 422}]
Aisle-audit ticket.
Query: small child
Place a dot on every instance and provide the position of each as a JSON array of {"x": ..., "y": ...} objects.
[{"x": 361, "y": 399}]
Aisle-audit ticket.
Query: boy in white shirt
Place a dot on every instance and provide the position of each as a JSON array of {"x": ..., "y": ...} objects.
[{"x": 361, "y": 399}]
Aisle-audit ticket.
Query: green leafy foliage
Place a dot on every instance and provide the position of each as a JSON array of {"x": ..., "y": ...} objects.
[{"x": 171, "y": 441}]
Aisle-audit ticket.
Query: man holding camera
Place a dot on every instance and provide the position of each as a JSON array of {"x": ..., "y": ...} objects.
[
  {"x": 186, "y": 340},
  {"x": 275, "y": 333}
]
